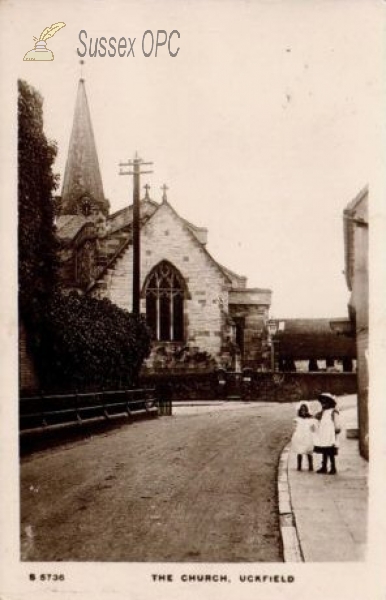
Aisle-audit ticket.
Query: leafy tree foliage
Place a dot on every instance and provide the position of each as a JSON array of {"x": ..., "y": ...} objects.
[
  {"x": 76, "y": 341},
  {"x": 36, "y": 181},
  {"x": 86, "y": 343}
]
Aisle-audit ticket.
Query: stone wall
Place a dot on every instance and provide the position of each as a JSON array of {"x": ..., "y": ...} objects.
[
  {"x": 262, "y": 387},
  {"x": 165, "y": 237},
  {"x": 254, "y": 318}
]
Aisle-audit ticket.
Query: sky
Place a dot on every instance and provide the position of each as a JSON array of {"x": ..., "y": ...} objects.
[{"x": 264, "y": 126}]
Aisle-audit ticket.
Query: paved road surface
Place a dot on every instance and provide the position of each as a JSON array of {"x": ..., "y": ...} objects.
[{"x": 198, "y": 486}]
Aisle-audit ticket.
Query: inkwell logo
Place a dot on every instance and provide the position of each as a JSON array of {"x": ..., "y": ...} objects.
[{"x": 41, "y": 52}]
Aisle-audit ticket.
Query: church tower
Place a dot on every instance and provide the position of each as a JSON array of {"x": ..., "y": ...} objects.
[{"x": 82, "y": 192}]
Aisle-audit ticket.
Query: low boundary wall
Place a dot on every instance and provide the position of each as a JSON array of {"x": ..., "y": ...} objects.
[{"x": 260, "y": 387}]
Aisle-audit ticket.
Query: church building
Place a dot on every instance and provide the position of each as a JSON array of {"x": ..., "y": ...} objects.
[{"x": 201, "y": 313}]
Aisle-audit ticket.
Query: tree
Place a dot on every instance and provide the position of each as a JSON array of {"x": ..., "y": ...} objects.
[
  {"x": 87, "y": 343},
  {"x": 76, "y": 341},
  {"x": 36, "y": 182}
]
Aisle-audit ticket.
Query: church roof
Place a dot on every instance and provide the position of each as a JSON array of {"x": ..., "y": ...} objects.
[
  {"x": 67, "y": 226},
  {"x": 82, "y": 175},
  {"x": 124, "y": 217},
  {"x": 239, "y": 281},
  {"x": 201, "y": 233}
]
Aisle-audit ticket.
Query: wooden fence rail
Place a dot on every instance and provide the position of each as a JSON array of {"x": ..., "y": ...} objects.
[{"x": 60, "y": 409}]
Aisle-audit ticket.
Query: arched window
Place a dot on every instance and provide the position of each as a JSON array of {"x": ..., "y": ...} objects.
[{"x": 165, "y": 292}]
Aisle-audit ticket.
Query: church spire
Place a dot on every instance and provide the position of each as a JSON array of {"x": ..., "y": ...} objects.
[{"x": 82, "y": 191}]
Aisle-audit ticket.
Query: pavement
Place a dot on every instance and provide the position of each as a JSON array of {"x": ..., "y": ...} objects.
[{"x": 323, "y": 518}]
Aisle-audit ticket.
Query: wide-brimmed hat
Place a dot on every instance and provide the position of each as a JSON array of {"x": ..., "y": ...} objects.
[{"x": 327, "y": 398}]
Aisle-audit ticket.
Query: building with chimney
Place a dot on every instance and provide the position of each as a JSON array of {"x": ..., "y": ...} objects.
[{"x": 200, "y": 312}]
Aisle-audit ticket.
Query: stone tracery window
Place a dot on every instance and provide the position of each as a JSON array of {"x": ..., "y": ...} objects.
[{"x": 165, "y": 293}]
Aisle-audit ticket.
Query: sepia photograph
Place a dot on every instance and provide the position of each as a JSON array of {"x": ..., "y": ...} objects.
[{"x": 192, "y": 401}]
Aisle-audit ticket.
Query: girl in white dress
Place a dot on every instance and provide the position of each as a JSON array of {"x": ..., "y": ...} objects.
[
  {"x": 303, "y": 436},
  {"x": 326, "y": 439}
]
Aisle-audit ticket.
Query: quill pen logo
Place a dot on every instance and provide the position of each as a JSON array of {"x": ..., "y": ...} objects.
[{"x": 41, "y": 52}]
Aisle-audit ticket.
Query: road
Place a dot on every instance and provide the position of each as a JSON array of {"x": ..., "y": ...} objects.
[{"x": 197, "y": 486}]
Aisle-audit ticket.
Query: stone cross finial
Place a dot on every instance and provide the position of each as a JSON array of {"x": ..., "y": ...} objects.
[
  {"x": 164, "y": 188},
  {"x": 147, "y": 188}
]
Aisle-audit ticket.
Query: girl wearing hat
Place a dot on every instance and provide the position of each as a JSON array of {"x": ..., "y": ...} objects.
[
  {"x": 302, "y": 439},
  {"x": 326, "y": 442}
]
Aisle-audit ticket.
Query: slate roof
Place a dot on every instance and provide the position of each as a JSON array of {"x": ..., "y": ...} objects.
[
  {"x": 124, "y": 217},
  {"x": 67, "y": 226},
  {"x": 303, "y": 339}
]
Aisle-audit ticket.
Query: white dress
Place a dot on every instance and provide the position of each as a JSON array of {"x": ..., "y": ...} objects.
[
  {"x": 303, "y": 437},
  {"x": 326, "y": 435}
]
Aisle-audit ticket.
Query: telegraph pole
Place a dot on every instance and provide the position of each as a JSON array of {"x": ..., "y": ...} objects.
[{"x": 136, "y": 164}]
